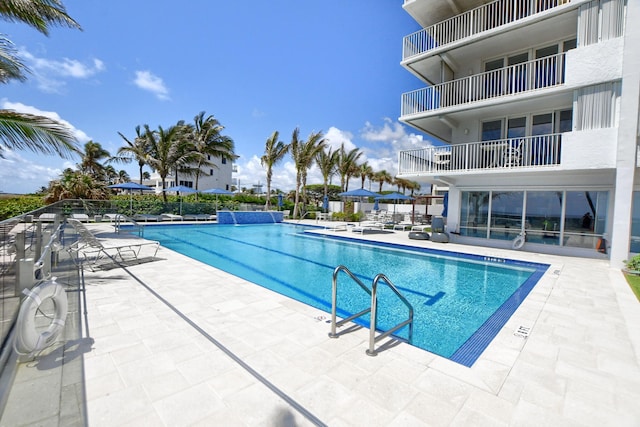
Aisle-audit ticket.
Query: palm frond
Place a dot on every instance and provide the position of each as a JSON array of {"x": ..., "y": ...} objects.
[
  {"x": 39, "y": 14},
  {"x": 20, "y": 131}
]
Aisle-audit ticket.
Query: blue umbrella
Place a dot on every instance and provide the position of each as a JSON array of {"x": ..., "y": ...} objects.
[
  {"x": 376, "y": 205},
  {"x": 325, "y": 204},
  {"x": 394, "y": 196},
  {"x": 217, "y": 191},
  {"x": 131, "y": 186},
  {"x": 360, "y": 192},
  {"x": 280, "y": 203},
  {"x": 445, "y": 202},
  {"x": 181, "y": 189}
]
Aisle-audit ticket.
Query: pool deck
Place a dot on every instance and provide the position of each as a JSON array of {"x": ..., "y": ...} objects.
[{"x": 176, "y": 342}]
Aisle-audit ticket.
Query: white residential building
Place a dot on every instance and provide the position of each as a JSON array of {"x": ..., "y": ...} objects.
[
  {"x": 218, "y": 176},
  {"x": 537, "y": 104}
]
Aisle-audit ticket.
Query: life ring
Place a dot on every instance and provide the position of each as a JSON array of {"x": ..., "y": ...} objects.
[
  {"x": 28, "y": 340},
  {"x": 518, "y": 242}
]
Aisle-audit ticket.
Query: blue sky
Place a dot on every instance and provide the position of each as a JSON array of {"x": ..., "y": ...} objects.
[{"x": 258, "y": 66}]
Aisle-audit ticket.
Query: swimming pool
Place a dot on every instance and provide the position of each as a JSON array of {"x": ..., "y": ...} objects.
[{"x": 460, "y": 301}]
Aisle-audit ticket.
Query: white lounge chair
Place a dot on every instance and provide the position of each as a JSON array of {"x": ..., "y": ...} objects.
[
  {"x": 47, "y": 217},
  {"x": 80, "y": 217},
  {"x": 90, "y": 250},
  {"x": 368, "y": 226},
  {"x": 171, "y": 217}
]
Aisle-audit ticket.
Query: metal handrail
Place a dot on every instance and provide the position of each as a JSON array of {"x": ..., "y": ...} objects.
[
  {"x": 119, "y": 219},
  {"x": 334, "y": 300},
  {"x": 374, "y": 309}
]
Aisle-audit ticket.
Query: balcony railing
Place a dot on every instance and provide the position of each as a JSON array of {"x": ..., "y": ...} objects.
[
  {"x": 527, "y": 76},
  {"x": 472, "y": 22},
  {"x": 512, "y": 153}
]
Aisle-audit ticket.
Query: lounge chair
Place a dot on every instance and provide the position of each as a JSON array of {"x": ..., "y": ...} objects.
[
  {"x": 90, "y": 250},
  {"x": 402, "y": 226},
  {"x": 198, "y": 217},
  {"x": 80, "y": 217},
  {"x": 47, "y": 217},
  {"x": 171, "y": 217},
  {"x": 368, "y": 226},
  {"x": 285, "y": 214},
  {"x": 146, "y": 217}
]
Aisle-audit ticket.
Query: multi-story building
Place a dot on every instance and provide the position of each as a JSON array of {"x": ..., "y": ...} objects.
[
  {"x": 217, "y": 176},
  {"x": 537, "y": 105}
]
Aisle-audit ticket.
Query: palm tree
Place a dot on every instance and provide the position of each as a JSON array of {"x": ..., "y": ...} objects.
[
  {"x": 109, "y": 174},
  {"x": 210, "y": 143},
  {"x": 160, "y": 156},
  {"x": 74, "y": 184},
  {"x": 382, "y": 177},
  {"x": 274, "y": 151},
  {"x": 327, "y": 161},
  {"x": 134, "y": 150},
  {"x": 91, "y": 157},
  {"x": 123, "y": 176},
  {"x": 20, "y": 131},
  {"x": 347, "y": 165},
  {"x": 303, "y": 153},
  {"x": 365, "y": 172}
]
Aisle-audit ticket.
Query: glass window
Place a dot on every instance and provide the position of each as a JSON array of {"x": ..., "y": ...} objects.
[
  {"x": 506, "y": 214},
  {"x": 224, "y": 161},
  {"x": 565, "y": 121},
  {"x": 492, "y": 131},
  {"x": 543, "y": 217},
  {"x": 635, "y": 224},
  {"x": 474, "y": 213},
  {"x": 517, "y": 127},
  {"x": 585, "y": 217}
]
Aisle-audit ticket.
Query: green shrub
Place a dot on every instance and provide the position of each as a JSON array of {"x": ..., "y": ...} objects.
[{"x": 634, "y": 263}]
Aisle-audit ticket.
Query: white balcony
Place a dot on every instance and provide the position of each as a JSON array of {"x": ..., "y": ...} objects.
[
  {"x": 520, "y": 78},
  {"x": 540, "y": 151},
  {"x": 473, "y": 22}
]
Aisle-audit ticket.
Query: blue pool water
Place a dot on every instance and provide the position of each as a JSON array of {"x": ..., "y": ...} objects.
[{"x": 460, "y": 301}]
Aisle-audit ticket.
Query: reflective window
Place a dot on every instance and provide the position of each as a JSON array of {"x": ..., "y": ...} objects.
[
  {"x": 506, "y": 214},
  {"x": 584, "y": 218},
  {"x": 543, "y": 218},
  {"x": 635, "y": 224},
  {"x": 474, "y": 213}
]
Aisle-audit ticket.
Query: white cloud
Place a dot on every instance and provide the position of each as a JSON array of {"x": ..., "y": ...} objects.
[
  {"x": 50, "y": 74},
  {"x": 145, "y": 80},
  {"x": 20, "y": 175},
  {"x": 28, "y": 109},
  {"x": 336, "y": 137}
]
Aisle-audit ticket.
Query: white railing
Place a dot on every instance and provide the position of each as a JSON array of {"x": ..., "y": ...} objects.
[
  {"x": 472, "y": 22},
  {"x": 527, "y": 76},
  {"x": 511, "y": 153}
]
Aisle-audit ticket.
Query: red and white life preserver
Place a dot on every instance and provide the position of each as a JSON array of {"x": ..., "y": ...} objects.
[{"x": 28, "y": 340}]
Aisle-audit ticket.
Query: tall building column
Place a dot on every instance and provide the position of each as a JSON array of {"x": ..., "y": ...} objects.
[{"x": 627, "y": 138}]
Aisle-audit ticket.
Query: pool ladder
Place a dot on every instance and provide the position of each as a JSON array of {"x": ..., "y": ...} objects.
[{"x": 373, "y": 309}]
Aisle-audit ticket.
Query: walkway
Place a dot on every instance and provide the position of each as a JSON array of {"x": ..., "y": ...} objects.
[{"x": 176, "y": 342}]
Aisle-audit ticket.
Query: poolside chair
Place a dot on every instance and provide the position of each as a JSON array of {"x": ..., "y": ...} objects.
[
  {"x": 147, "y": 217},
  {"x": 171, "y": 217},
  {"x": 80, "y": 217},
  {"x": 89, "y": 250},
  {"x": 47, "y": 217},
  {"x": 368, "y": 226},
  {"x": 285, "y": 214},
  {"x": 438, "y": 233}
]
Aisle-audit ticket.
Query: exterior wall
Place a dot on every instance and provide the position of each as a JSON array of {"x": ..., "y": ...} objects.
[
  {"x": 589, "y": 149},
  {"x": 596, "y": 63}
]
